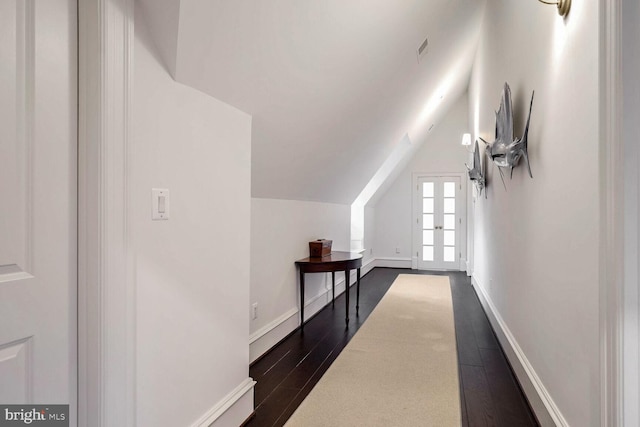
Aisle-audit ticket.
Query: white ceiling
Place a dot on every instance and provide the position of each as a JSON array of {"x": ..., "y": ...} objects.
[{"x": 332, "y": 85}]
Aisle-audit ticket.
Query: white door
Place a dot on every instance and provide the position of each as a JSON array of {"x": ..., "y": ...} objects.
[
  {"x": 439, "y": 222},
  {"x": 38, "y": 284}
]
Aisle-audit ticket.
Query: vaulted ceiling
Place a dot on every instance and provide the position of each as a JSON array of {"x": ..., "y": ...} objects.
[{"x": 333, "y": 86}]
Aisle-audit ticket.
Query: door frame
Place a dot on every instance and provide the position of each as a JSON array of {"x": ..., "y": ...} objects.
[
  {"x": 612, "y": 217},
  {"x": 630, "y": 299},
  {"x": 416, "y": 237},
  {"x": 106, "y": 285}
]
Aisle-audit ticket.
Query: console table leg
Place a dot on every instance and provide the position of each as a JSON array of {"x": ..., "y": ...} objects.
[
  {"x": 358, "y": 292},
  {"x": 346, "y": 291},
  {"x": 333, "y": 289},
  {"x": 301, "y": 300}
]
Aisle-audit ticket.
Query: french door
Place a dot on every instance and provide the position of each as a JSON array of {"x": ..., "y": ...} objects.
[{"x": 439, "y": 222}]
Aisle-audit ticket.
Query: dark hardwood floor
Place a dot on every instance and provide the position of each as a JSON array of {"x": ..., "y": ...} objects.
[{"x": 489, "y": 392}]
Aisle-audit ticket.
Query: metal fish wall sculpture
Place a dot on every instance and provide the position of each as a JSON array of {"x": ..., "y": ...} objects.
[
  {"x": 506, "y": 151},
  {"x": 476, "y": 174}
]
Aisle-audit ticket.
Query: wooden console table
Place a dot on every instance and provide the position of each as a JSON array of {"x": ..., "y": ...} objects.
[{"x": 336, "y": 261}]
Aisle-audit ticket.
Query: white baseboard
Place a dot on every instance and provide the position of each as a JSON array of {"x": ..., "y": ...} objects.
[
  {"x": 367, "y": 266},
  {"x": 394, "y": 262},
  {"x": 543, "y": 406},
  {"x": 232, "y": 410},
  {"x": 269, "y": 335}
]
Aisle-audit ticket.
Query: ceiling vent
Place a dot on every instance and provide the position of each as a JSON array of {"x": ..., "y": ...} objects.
[{"x": 422, "y": 50}]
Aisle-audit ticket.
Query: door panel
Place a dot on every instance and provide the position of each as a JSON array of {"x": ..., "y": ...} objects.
[
  {"x": 450, "y": 222},
  {"x": 15, "y": 24},
  {"x": 428, "y": 196},
  {"x": 439, "y": 222},
  {"x": 38, "y": 126},
  {"x": 15, "y": 368}
]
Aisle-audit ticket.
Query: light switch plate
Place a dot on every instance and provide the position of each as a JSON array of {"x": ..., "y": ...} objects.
[{"x": 160, "y": 204}]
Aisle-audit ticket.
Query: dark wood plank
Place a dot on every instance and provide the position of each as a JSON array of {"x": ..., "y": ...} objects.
[
  {"x": 277, "y": 373},
  {"x": 468, "y": 353},
  {"x": 508, "y": 400},
  {"x": 267, "y": 415},
  {"x": 288, "y": 412},
  {"x": 480, "y": 410},
  {"x": 481, "y": 326},
  {"x": 308, "y": 366},
  {"x": 485, "y": 337},
  {"x": 463, "y": 401}
]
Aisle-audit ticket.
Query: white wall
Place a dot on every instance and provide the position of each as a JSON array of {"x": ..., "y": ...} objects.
[
  {"x": 280, "y": 234},
  {"x": 369, "y": 233},
  {"x": 192, "y": 271},
  {"x": 440, "y": 153},
  {"x": 536, "y": 245}
]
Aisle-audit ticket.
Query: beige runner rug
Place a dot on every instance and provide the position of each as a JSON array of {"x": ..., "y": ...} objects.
[{"x": 401, "y": 367}]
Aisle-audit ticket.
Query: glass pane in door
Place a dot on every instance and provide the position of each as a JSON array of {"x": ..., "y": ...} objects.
[
  {"x": 427, "y": 189},
  {"x": 427, "y": 205},
  {"x": 449, "y": 189},
  {"x": 449, "y": 238},
  {"x": 427, "y": 237},
  {"x": 449, "y": 254},
  {"x": 428, "y": 220},
  {"x": 449, "y": 206},
  {"x": 449, "y": 222}
]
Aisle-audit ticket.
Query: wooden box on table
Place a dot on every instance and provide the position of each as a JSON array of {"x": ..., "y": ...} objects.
[{"x": 320, "y": 248}]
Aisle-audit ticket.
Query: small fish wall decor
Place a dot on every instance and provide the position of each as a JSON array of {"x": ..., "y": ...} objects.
[
  {"x": 476, "y": 172},
  {"x": 505, "y": 151}
]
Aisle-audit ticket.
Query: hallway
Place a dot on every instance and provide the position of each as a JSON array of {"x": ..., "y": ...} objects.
[{"x": 490, "y": 394}]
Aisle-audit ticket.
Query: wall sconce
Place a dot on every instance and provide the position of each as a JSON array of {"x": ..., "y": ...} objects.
[
  {"x": 563, "y": 6},
  {"x": 466, "y": 139}
]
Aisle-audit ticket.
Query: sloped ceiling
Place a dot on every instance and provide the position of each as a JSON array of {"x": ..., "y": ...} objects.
[{"x": 333, "y": 86}]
